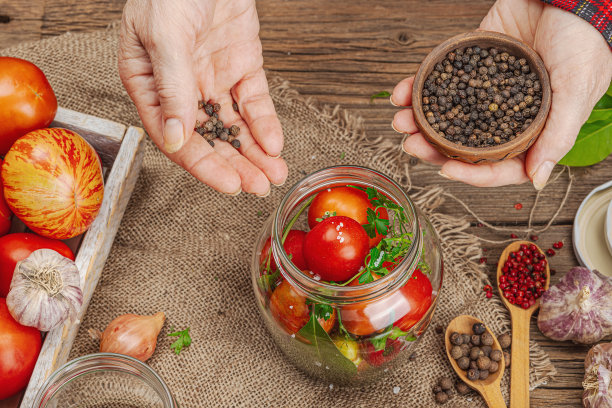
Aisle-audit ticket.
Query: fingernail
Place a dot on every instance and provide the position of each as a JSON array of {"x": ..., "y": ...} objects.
[
  {"x": 173, "y": 135},
  {"x": 236, "y": 193},
  {"x": 391, "y": 100},
  {"x": 393, "y": 126},
  {"x": 404, "y": 149},
  {"x": 264, "y": 195},
  {"x": 273, "y": 157},
  {"x": 446, "y": 176},
  {"x": 541, "y": 175},
  {"x": 278, "y": 185}
]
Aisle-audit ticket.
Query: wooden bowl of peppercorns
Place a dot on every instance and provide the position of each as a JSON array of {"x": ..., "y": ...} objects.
[{"x": 481, "y": 97}]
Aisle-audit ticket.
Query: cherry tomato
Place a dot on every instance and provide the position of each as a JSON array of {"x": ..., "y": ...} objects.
[
  {"x": 289, "y": 308},
  {"x": 5, "y": 211},
  {"x": 336, "y": 248},
  {"x": 27, "y": 101},
  {"x": 403, "y": 308},
  {"x": 380, "y": 357},
  {"x": 19, "y": 348},
  {"x": 17, "y": 247},
  {"x": 344, "y": 201},
  {"x": 294, "y": 244}
]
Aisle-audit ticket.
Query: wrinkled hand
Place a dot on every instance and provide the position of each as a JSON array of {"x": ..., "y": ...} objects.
[
  {"x": 579, "y": 63},
  {"x": 173, "y": 54}
]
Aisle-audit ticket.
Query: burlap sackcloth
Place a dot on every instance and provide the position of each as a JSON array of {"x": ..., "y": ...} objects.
[{"x": 184, "y": 249}]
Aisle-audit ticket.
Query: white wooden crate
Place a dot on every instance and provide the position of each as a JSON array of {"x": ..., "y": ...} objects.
[{"x": 121, "y": 149}]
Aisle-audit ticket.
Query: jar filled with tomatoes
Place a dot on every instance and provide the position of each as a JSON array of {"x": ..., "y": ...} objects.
[{"x": 347, "y": 273}]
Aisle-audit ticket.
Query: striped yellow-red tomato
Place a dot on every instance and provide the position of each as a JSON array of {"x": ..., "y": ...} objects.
[{"x": 53, "y": 182}]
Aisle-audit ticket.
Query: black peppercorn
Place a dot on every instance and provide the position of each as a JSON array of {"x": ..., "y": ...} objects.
[
  {"x": 486, "y": 350},
  {"x": 463, "y": 363},
  {"x": 236, "y": 143},
  {"x": 456, "y": 352},
  {"x": 462, "y": 388},
  {"x": 478, "y": 328},
  {"x": 487, "y": 339},
  {"x": 441, "y": 398},
  {"x": 445, "y": 383},
  {"x": 208, "y": 108}
]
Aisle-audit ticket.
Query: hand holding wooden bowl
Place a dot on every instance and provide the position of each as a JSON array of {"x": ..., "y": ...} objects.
[{"x": 490, "y": 151}]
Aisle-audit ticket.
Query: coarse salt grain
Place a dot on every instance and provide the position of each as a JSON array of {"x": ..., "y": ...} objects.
[
  {"x": 318, "y": 364},
  {"x": 396, "y": 390},
  {"x": 331, "y": 386},
  {"x": 290, "y": 306}
]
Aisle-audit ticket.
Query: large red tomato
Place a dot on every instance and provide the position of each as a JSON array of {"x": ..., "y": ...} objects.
[
  {"x": 402, "y": 308},
  {"x": 53, "y": 182},
  {"x": 347, "y": 201},
  {"x": 19, "y": 348},
  {"x": 335, "y": 248},
  {"x": 5, "y": 211},
  {"x": 17, "y": 247},
  {"x": 294, "y": 244},
  {"x": 290, "y": 310},
  {"x": 27, "y": 101}
]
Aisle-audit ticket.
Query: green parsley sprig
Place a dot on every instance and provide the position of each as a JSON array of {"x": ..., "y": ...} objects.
[{"x": 184, "y": 340}]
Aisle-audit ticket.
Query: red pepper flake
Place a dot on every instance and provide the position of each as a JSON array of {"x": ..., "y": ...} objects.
[
  {"x": 513, "y": 236},
  {"x": 482, "y": 260},
  {"x": 534, "y": 237},
  {"x": 518, "y": 206},
  {"x": 487, "y": 288},
  {"x": 480, "y": 225},
  {"x": 550, "y": 252},
  {"x": 489, "y": 295}
]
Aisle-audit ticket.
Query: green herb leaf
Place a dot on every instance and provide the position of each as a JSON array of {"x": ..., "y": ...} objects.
[
  {"x": 366, "y": 277},
  {"x": 594, "y": 141},
  {"x": 593, "y": 144},
  {"x": 343, "y": 155},
  {"x": 326, "y": 215},
  {"x": 379, "y": 342},
  {"x": 377, "y": 257},
  {"x": 382, "y": 94},
  {"x": 320, "y": 348},
  {"x": 370, "y": 230},
  {"x": 184, "y": 340},
  {"x": 321, "y": 310}
]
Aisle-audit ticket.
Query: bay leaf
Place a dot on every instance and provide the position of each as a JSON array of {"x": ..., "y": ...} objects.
[
  {"x": 593, "y": 144},
  {"x": 322, "y": 352},
  {"x": 594, "y": 141}
]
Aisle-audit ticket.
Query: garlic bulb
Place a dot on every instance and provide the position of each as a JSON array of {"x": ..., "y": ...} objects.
[
  {"x": 45, "y": 290},
  {"x": 578, "y": 307},
  {"x": 597, "y": 382},
  {"x": 132, "y": 335}
]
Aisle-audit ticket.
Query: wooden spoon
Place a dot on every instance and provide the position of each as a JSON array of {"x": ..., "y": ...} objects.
[
  {"x": 519, "y": 367},
  {"x": 489, "y": 388}
]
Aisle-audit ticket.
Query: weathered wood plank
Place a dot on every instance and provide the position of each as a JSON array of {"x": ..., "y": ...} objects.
[
  {"x": 92, "y": 255},
  {"x": 20, "y": 21},
  {"x": 104, "y": 135}
]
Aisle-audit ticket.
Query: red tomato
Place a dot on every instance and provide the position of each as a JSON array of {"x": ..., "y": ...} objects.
[
  {"x": 5, "y": 211},
  {"x": 402, "y": 308},
  {"x": 418, "y": 292},
  {"x": 27, "y": 101},
  {"x": 347, "y": 201},
  {"x": 17, "y": 247},
  {"x": 294, "y": 244},
  {"x": 19, "y": 348},
  {"x": 53, "y": 182},
  {"x": 289, "y": 308},
  {"x": 336, "y": 248},
  {"x": 380, "y": 357}
]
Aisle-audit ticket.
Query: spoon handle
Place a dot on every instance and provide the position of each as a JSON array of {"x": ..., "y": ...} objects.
[
  {"x": 493, "y": 396},
  {"x": 519, "y": 361}
]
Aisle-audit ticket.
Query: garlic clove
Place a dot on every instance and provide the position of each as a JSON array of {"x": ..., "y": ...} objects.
[
  {"x": 45, "y": 290},
  {"x": 132, "y": 335}
]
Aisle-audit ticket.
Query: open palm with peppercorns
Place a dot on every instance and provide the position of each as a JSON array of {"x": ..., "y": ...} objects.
[
  {"x": 172, "y": 55},
  {"x": 579, "y": 63}
]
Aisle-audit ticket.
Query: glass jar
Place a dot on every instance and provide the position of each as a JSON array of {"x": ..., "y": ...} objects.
[
  {"x": 104, "y": 380},
  {"x": 352, "y": 331}
]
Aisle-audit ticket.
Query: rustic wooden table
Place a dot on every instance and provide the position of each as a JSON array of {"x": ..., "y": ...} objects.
[{"x": 340, "y": 53}]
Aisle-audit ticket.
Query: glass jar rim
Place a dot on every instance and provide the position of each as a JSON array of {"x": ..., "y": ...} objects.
[
  {"x": 69, "y": 370},
  {"x": 326, "y": 292}
]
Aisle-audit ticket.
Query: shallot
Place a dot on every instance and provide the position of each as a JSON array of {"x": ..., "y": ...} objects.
[{"x": 132, "y": 335}]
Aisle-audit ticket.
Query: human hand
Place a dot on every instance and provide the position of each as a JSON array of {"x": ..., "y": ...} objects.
[
  {"x": 173, "y": 54},
  {"x": 579, "y": 64}
]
